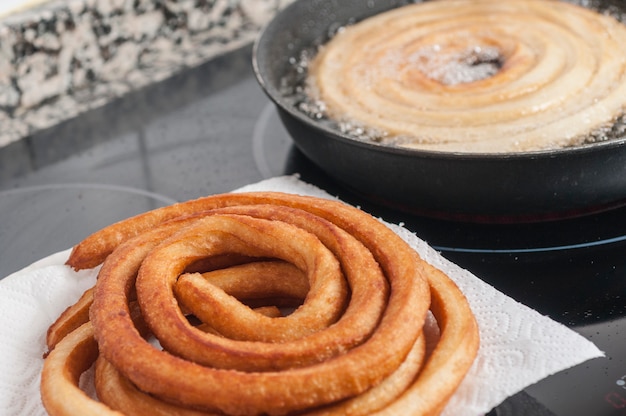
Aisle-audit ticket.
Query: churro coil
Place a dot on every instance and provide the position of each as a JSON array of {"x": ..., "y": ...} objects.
[{"x": 484, "y": 76}]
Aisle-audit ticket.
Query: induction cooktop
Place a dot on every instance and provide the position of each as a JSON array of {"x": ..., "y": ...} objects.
[{"x": 211, "y": 129}]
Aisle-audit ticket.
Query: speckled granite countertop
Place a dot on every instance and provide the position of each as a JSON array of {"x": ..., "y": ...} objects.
[{"x": 63, "y": 57}]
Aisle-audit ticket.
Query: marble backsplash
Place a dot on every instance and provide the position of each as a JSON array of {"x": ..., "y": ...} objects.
[{"x": 64, "y": 57}]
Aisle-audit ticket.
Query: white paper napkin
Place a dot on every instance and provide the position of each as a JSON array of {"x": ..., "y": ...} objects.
[{"x": 518, "y": 345}]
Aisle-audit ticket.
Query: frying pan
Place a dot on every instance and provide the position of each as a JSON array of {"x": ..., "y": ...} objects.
[{"x": 518, "y": 187}]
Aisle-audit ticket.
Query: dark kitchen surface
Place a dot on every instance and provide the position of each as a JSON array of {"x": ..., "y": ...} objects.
[{"x": 211, "y": 129}]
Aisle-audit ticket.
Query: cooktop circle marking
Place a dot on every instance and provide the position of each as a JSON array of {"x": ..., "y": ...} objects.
[
  {"x": 94, "y": 186},
  {"x": 534, "y": 249}
]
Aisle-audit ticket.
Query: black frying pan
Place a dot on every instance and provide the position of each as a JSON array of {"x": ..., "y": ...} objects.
[{"x": 516, "y": 186}]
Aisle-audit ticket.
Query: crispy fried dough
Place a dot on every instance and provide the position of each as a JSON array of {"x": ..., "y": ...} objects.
[
  {"x": 71, "y": 357},
  {"x": 71, "y": 318},
  {"x": 371, "y": 290}
]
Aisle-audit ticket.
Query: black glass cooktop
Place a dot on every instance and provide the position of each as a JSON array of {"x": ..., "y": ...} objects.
[{"x": 211, "y": 129}]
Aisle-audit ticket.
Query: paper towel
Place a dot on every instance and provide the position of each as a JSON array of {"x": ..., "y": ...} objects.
[{"x": 518, "y": 345}]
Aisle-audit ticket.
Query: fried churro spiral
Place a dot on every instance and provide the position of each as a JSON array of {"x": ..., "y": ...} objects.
[
  {"x": 485, "y": 76},
  {"x": 183, "y": 276}
]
